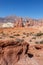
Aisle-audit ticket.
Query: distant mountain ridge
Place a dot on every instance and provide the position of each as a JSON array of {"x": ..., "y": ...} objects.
[
  {"x": 19, "y": 21},
  {"x": 12, "y": 18},
  {"x": 8, "y": 19}
]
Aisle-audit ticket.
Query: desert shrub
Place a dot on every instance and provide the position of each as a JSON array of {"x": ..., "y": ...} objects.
[
  {"x": 13, "y": 32},
  {"x": 41, "y": 42},
  {"x": 16, "y": 34},
  {"x": 30, "y": 40},
  {"x": 33, "y": 37},
  {"x": 2, "y": 33},
  {"x": 11, "y": 36},
  {"x": 24, "y": 33},
  {"x": 39, "y": 34},
  {"x": 37, "y": 42},
  {"x": 27, "y": 34},
  {"x": 31, "y": 33},
  {"x": 23, "y": 37},
  {"x": 19, "y": 40}
]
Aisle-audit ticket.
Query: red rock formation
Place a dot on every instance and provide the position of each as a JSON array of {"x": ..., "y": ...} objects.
[
  {"x": 20, "y": 53},
  {"x": 19, "y": 23}
]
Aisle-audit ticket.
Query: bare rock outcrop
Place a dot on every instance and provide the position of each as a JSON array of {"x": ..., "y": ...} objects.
[
  {"x": 20, "y": 53},
  {"x": 19, "y": 23},
  {"x": 11, "y": 51}
]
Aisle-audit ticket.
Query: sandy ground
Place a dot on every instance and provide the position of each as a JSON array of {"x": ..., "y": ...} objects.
[{"x": 29, "y": 36}]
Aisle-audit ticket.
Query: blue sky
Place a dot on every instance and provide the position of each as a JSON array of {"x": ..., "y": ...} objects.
[{"x": 24, "y": 8}]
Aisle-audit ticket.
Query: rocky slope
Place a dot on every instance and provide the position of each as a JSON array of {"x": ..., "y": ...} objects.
[
  {"x": 20, "y": 53},
  {"x": 21, "y": 46}
]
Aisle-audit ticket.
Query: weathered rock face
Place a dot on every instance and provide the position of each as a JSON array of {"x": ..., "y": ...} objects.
[
  {"x": 10, "y": 52},
  {"x": 32, "y": 22},
  {"x": 20, "y": 53},
  {"x": 19, "y": 23}
]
